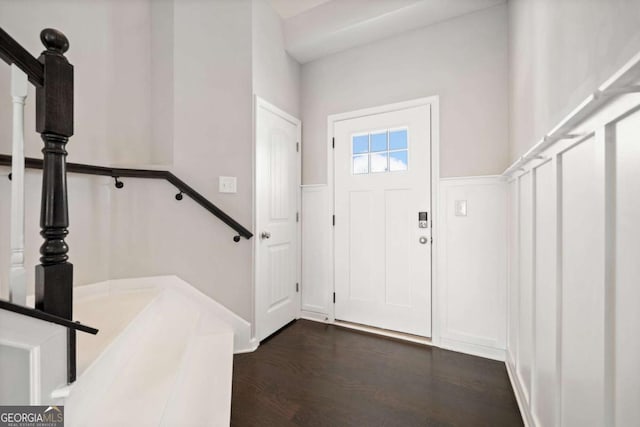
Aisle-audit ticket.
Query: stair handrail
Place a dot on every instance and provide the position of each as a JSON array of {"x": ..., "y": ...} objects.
[{"x": 117, "y": 173}]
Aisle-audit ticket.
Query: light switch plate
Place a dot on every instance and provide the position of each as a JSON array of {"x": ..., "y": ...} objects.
[
  {"x": 460, "y": 208},
  {"x": 228, "y": 184}
]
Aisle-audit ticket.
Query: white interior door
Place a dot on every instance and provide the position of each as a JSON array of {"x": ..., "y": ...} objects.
[
  {"x": 277, "y": 219},
  {"x": 382, "y": 255}
]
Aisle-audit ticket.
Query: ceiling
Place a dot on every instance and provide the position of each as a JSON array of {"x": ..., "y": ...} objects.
[{"x": 315, "y": 28}]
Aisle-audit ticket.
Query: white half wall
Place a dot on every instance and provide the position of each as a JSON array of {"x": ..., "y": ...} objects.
[
  {"x": 471, "y": 279},
  {"x": 33, "y": 360},
  {"x": 573, "y": 294}
]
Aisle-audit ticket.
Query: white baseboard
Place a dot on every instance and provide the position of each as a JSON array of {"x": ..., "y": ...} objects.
[
  {"x": 517, "y": 390},
  {"x": 473, "y": 349},
  {"x": 250, "y": 348}
]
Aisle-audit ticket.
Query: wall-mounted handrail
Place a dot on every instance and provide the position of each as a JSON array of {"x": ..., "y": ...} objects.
[
  {"x": 41, "y": 315},
  {"x": 624, "y": 81},
  {"x": 31, "y": 163},
  {"x": 12, "y": 53}
]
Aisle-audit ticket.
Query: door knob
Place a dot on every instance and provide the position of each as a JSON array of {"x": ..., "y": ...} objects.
[
  {"x": 265, "y": 235},
  {"x": 423, "y": 240}
]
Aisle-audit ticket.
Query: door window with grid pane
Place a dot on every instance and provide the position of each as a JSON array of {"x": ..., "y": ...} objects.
[{"x": 380, "y": 151}]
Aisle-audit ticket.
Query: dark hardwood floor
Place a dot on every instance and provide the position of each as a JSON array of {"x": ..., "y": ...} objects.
[{"x": 311, "y": 374}]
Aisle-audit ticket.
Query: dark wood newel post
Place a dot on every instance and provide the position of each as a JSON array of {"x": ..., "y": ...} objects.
[{"x": 54, "y": 121}]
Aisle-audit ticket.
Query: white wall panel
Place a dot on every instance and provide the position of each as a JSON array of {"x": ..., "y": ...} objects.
[
  {"x": 582, "y": 367},
  {"x": 317, "y": 283},
  {"x": 574, "y": 248},
  {"x": 525, "y": 273},
  {"x": 15, "y": 371},
  {"x": 544, "y": 380},
  {"x": 627, "y": 273},
  {"x": 513, "y": 294},
  {"x": 473, "y": 266}
]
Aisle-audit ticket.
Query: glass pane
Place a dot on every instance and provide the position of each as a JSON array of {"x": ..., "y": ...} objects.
[
  {"x": 360, "y": 144},
  {"x": 398, "y": 139},
  {"x": 360, "y": 164},
  {"x": 379, "y": 162},
  {"x": 379, "y": 141},
  {"x": 398, "y": 161}
]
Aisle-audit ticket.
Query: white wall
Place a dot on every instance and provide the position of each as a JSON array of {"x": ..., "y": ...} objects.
[
  {"x": 463, "y": 60},
  {"x": 162, "y": 82},
  {"x": 472, "y": 266},
  {"x": 168, "y": 83},
  {"x": 224, "y": 52},
  {"x": 573, "y": 295},
  {"x": 559, "y": 51},
  {"x": 276, "y": 76},
  {"x": 212, "y": 136},
  {"x": 110, "y": 50}
]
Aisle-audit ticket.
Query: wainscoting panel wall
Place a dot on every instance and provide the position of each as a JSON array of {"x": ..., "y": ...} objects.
[
  {"x": 626, "y": 226},
  {"x": 472, "y": 265},
  {"x": 525, "y": 303},
  {"x": 472, "y": 269},
  {"x": 574, "y": 234},
  {"x": 543, "y": 382},
  {"x": 583, "y": 281},
  {"x": 317, "y": 280}
]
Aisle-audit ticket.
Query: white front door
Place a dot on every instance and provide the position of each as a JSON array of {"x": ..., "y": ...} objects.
[
  {"x": 382, "y": 191},
  {"x": 277, "y": 231}
]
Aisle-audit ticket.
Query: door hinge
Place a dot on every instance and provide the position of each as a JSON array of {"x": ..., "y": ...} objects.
[
  {"x": 334, "y": 221},
  {"x": 297, "y": 216},
  {"x": 334, "y": 297},
  {"x": 297, "y": 147},
  {"x": 333, "y": 142},
  {"x": 297, "y": 287}
]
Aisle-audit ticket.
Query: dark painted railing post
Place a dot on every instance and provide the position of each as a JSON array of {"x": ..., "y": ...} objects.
[{"x": 54, "y": 121}]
